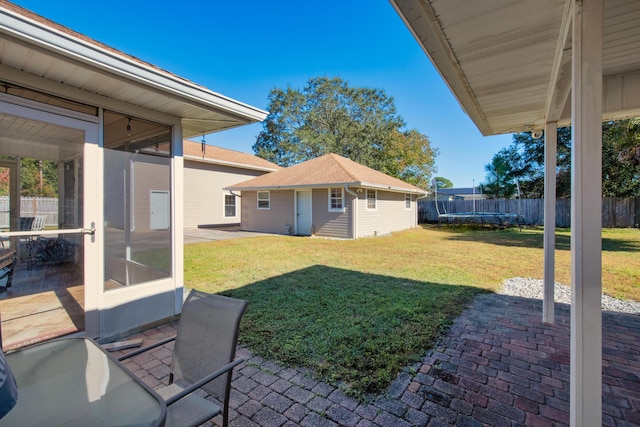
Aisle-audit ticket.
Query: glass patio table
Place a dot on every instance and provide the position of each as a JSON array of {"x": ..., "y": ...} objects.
[{"x": 75, "y": 382}]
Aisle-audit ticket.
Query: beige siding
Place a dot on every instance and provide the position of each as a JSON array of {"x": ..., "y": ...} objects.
[
  {"x": 276, "y": 219},
  {"x": 331, "y": 224},
  {"x": 150, "y": 173},
  {"x": 390, "y": 215},
  {"x": 203, "y": 194}
]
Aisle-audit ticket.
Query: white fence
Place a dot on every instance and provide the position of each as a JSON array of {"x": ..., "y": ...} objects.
[{"x": 31, "y": 206}]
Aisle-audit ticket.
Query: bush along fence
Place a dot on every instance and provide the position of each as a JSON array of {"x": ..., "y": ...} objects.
[
  {"x": 616, "y": 211},
  {"x": 31, "y": 206}
]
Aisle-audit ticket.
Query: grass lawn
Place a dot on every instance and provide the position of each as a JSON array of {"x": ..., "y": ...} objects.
[{"x": 357, "y": 312}]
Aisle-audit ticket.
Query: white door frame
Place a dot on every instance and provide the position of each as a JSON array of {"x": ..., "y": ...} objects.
[{"x": 92, "y": 200}]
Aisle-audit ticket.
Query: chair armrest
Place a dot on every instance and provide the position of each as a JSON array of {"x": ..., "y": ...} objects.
[
  {"x": 203, "y": 381},
  {"x": 145, "y": 348}
]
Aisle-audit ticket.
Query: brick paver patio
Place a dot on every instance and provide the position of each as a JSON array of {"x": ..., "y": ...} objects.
[{"x": 499, "y": 365}]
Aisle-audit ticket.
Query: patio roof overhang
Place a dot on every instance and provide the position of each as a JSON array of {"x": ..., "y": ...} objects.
[
  {"x": 33, "y": 45},
  {"x": 536, "y": 65},
  {"x": 509, "y": 62}
]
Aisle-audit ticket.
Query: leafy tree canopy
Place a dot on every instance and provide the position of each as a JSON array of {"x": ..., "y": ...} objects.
[
  {"x": 329, "y": 116},
  {"x": 38, "y": 178},
  {"x": 524, "y": 160},
  {"x": 500, "y": 183},
  {"x": 443, "y": 182}
]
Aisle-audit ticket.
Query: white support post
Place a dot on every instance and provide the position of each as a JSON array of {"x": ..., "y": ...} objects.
[
  {"x": 550, "y": 150},
  {"x": 586, "y": 215}
]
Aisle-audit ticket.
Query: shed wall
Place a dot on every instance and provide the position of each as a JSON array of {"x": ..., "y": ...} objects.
[
  {"x": 203, "y": 194},
  {"x": 328, "y": 223},
  {"x": 273, "y": 220},
  {"x": 390, "y": 214}
]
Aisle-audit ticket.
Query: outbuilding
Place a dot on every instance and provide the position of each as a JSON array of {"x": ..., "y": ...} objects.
[
  {"x": 207, "y": 170},
  {"x": 329, "y": 196}
]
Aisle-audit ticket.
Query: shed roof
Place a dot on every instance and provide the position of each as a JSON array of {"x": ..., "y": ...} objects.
[
  {"x": 217, "y": 155},
  {"x": 325, "y": 171},
  {"x": 33, "y": 45}
]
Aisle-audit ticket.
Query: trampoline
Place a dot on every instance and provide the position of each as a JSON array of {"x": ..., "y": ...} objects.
[
  {"x": 497, "y": 219},
  {"x": 483, "y": 218}
]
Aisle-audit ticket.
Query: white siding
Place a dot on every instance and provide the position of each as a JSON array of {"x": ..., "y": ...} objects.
[
  {"x": 390, "y": 215},
  {"x": 331, "y": 224},
  {"x": 274, "y": 220},
  {"x": 203, "y": 194}
]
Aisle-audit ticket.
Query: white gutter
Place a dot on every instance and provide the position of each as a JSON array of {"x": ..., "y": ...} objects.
[
  {"x": 354, "y": 208},
  {"x": 118, "y": 64},
  {"x": 334, "y": 184}
]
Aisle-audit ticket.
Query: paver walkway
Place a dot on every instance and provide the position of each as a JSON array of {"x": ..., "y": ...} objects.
[{"x": 499, "y": 365}]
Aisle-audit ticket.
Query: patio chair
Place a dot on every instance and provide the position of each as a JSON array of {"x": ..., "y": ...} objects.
[
  {"x": 38, "y": 222},
  {"x": 203, "y": 358}
]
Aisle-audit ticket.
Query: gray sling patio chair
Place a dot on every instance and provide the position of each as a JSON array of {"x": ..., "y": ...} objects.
[{"x": 203, "y": 358}]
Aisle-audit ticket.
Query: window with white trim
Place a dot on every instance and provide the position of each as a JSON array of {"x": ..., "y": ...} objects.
[
  {"x": 372, "y": 196},
  {"x": 264, "y": 200},
  {"x": 336, "y": 199},
  {"x": 229, "y": 206},
  {"x": 407, "y": 201}
]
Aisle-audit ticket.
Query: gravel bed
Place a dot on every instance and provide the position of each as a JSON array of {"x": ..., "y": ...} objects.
[{"x": 533, "y": 288}]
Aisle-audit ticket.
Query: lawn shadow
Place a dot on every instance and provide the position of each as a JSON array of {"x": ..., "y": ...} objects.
[
  {"x": 349, "y": 327},
  {"x": 519, "y": 239}
]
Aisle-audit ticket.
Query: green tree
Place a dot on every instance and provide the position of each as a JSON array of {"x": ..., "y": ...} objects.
[
  {"x": 525, "y": 157},
  {"x": 38, "y": 178},
  {"x": 620, "y": 161},
  {"x": 500, "y": 183},
  {"x": 443, "y": 182},
  {"x": 621, "y": 158},
  {"x": 329, "y": 116}
]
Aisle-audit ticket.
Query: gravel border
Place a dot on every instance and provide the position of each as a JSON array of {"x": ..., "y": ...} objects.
[{"x": 533, "y": 288}]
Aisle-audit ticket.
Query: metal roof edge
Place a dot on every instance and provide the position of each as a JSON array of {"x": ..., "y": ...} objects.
[
  {"x": 118, "y": 63},
  {"x": 392, "y": 188}
]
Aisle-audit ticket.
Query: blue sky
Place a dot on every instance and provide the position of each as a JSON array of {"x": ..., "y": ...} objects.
[{"x": 244, "y": 49}]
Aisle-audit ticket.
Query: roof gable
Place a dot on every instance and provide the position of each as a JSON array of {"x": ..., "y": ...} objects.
[{"x": 328, "y": 170}]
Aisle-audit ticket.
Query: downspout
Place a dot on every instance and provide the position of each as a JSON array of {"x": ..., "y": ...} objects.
[
  {"x": 418, "y": 213},
  {"x": 354, "y": 208}
]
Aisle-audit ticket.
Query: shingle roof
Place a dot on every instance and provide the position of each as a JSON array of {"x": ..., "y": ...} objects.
[
  {"x": 324, "y": 171},
  {"x": 193, "y": 151}
]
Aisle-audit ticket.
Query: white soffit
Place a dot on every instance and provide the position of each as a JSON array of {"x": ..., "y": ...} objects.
[
  {"x": 508, "y": 62},
  {"x": 36, "y": 46}
]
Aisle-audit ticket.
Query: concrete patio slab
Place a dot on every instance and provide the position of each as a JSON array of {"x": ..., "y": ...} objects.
[{"x": 200, "y": 235}]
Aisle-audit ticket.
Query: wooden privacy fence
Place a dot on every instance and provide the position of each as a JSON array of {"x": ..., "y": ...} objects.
[
  {"x": 31, "y": 206},
  {"x": 616, "y": 211}
]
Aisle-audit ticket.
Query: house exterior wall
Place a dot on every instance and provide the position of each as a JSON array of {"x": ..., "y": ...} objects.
[
  {"x": 328, "y": 223},
  {"x": 273, "y": 220},
  {"x": 151, "y": 173},
  {"x": 390, "y": 214},
  {"x": 203, "y": 194}
]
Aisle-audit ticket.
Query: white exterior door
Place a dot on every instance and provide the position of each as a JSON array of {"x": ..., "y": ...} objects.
[
  {"x": 160, "y": 207},
  {"x": 303, "y": 213}
]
